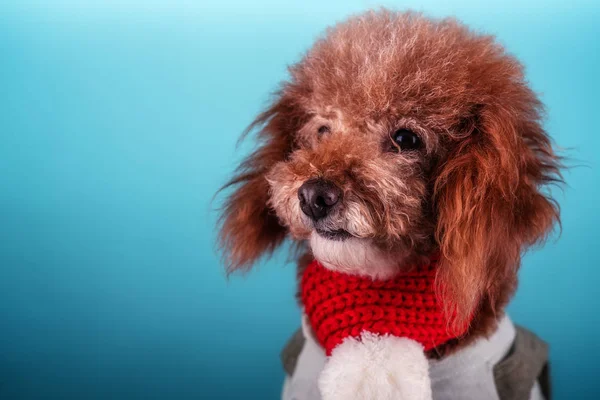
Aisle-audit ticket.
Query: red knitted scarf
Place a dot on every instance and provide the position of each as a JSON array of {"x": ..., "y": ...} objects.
[{"x": 339, "y": 305}]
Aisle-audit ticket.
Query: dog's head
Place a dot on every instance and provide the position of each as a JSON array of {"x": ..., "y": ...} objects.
[{"x": 395, "y": 137}]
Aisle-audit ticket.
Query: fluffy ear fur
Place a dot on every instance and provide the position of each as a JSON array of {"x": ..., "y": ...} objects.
[
  {"x": 489, "y": 203},
  {"x": 248, "y": 227}
]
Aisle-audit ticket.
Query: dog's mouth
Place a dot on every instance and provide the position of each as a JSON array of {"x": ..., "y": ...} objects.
[{"x": 338, "y": 234}]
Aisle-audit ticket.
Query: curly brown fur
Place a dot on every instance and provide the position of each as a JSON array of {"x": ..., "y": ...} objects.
[{"x": 473, "y": 191}]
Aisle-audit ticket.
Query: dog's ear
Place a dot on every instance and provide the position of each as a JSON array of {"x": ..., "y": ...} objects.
[
  {"x": 248, "y": 227},
  {"x": 489, "y": 202}
]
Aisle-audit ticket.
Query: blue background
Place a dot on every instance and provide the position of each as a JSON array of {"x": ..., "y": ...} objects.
[{"x": 118, "y": 122}]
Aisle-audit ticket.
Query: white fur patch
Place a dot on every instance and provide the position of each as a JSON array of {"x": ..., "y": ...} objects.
[
  {"x": 376, "y": 367},
  {"x": 356, "y": 220},
  {"x": 353, "y": 256}
]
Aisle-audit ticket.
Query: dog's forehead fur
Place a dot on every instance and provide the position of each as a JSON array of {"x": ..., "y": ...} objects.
[{"x": 388, "y": 66}]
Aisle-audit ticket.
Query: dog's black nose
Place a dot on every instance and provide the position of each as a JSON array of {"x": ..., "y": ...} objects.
[{"x": 318, "y": 197}]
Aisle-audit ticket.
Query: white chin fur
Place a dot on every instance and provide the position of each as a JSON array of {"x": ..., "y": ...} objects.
[
  {"x": 375, "y": 367},
  {"x": 353, "y": 256}
]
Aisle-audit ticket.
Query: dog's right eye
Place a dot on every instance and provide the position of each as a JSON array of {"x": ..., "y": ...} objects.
[
  {"x": 405, "y": 139},
  {"x": 323, "y": 129}
]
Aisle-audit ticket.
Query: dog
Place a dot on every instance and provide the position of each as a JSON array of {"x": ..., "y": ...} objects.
[{"x": 399, "y": 138}]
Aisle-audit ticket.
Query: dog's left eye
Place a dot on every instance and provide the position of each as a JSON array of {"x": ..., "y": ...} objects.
[
  {"x": 406, "y": 140},
  {"x": 323, "y": 129}
]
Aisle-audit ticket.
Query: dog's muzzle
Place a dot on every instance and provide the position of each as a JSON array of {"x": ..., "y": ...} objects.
[{"x": 318, "y": 197}]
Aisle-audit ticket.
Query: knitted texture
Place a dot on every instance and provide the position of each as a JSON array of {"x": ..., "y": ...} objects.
[{"x": 339, "y": 305}]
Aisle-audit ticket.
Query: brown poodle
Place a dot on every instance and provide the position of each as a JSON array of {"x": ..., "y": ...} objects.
[{"x": 398, "y": 137}]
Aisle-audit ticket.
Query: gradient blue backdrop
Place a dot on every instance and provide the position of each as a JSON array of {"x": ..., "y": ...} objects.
[{"x": 118, "y": 122}]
